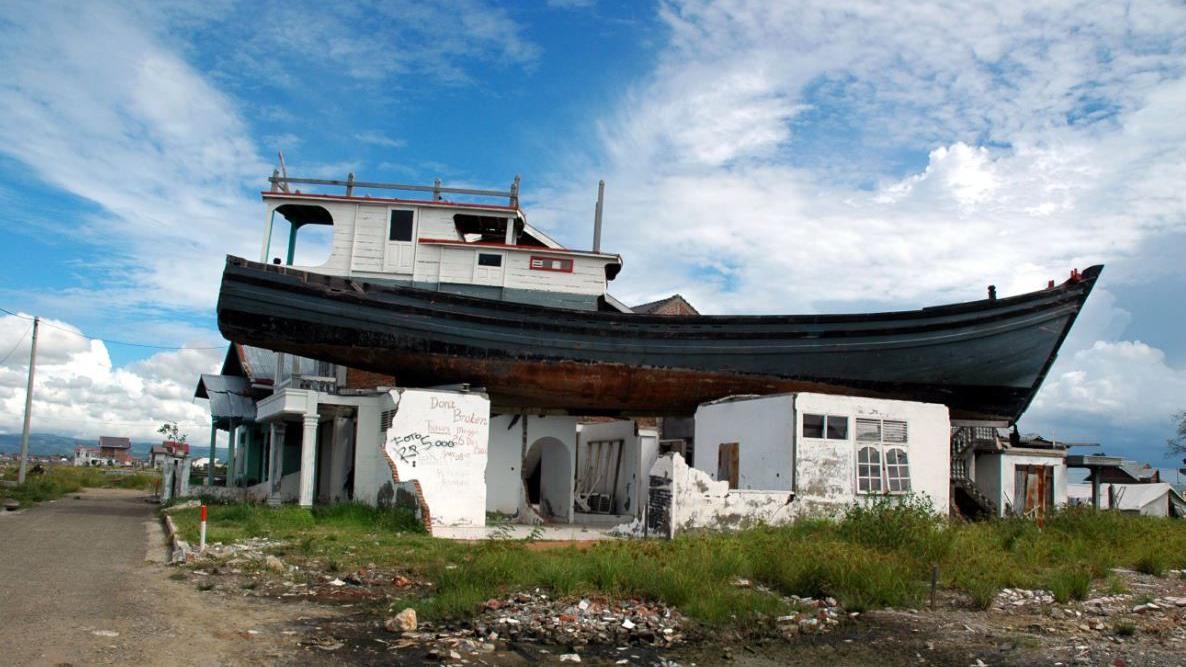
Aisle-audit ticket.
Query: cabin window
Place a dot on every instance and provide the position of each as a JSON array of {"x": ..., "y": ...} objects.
[
  {"x": 869, "y": 470},
  {"x": 831, "y": 427},
  {"x": 481, "y": 228},
  {"x": 489, "y": 259},
  {"x": 551, "y": 264},
  {"x": 401, "y": 226}
]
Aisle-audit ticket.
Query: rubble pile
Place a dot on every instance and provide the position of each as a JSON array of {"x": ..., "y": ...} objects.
[
  {"x": 538, "y": 617},
  {"x": 242, "y": 551},
  {"x": 1009, "y": 598}
]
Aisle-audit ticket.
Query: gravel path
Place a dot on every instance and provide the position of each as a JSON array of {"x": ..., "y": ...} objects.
[{"x": 83, "y": 582}]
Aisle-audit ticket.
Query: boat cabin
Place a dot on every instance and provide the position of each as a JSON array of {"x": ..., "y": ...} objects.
[{"x": 475, "y": 249}]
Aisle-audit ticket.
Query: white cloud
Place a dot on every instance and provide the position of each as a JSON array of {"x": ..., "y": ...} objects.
[
  {"x": 1123, "y": 383},
  {"x": 379, "y": 139},
  {"x": 79, "y": 392},
  {"x": 1054, "y": 141},
  {"x": 106, "y": 111}
]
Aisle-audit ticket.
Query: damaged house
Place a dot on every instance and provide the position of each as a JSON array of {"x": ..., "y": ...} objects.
[{"x": 771, "y": 459}]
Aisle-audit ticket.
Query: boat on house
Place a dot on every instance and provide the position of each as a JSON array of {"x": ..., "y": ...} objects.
[{"x": 435, "y": 292}]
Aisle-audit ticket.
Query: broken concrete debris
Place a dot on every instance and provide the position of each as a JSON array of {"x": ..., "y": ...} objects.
[{"x": 405, "y": 621}]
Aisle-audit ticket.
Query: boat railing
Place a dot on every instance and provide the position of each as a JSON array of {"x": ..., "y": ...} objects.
[
  {"x": 280, "y": 183},
  {"x": 296, "y": 372}
]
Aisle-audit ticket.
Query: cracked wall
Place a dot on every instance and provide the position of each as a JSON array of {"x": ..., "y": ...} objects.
[{"x": 437, "y": 442}]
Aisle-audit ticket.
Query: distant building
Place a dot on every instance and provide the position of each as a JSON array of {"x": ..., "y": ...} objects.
[
  {"x": 116, "y": 448},
  {"x": 89, "y": 456},
  {"x": 672, "y": 305}
]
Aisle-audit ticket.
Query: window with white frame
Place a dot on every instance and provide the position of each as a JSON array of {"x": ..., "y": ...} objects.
[
  {"x": 831, "y": 427},
  {"x": 883, "y": 465},
  {"x": 869, "y": 469}
]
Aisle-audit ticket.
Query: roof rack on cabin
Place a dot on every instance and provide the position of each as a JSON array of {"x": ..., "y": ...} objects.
[{"x": 280, "y": 183}]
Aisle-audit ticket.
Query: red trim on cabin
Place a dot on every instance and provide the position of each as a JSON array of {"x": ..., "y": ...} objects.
[
  {"x": 563, "y": 261},
  {"x": 268, "y": 194},
  {"x": 516, "y": 248}
]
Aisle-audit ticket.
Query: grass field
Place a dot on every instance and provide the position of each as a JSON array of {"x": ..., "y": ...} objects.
[
  {"x": 59, "y": 480},
  {"x": 873, "y": 557}
]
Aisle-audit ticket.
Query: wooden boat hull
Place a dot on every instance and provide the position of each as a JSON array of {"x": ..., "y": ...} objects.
[{"x": 984, "y": 359}]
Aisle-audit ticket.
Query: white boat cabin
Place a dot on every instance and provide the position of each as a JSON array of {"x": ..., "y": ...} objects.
[{"x": 481, "y": 250}]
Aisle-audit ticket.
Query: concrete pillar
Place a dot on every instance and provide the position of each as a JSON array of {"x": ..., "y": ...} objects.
[
  {"x": 308, "y": 459},
  {"x": 213, "y": 439},
  {"x": 232, "y": 446}
]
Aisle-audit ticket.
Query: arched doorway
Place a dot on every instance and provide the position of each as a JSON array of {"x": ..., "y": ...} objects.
[{"x": 548, "y": 479}]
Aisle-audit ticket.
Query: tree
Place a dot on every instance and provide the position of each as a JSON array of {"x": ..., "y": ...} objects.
[
  {"x": 1177, "y": 444},
  {"x": 171, "y": 432}
]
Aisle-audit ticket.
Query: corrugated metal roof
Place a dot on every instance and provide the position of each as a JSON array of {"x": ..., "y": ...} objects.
[
  {"x": 258, "y": 363},
  {"x": 230, "y": 396}
]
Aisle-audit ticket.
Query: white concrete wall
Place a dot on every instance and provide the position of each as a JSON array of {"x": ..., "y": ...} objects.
[
  {"x": 764, "y": 431},
  {"x": 557, "y": 463},
  {"x": 439, "y": 438},
  {"x": 372, "y": 473},
  {"x": 699, "y": 502},
  {"x": 504, "y": 465}
]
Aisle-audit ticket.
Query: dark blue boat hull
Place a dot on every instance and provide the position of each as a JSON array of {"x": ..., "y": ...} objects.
[{"x": 984, "y": 359}]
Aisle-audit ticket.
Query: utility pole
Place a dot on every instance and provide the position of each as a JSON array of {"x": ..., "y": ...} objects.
[{"x": 20, "y": 479}]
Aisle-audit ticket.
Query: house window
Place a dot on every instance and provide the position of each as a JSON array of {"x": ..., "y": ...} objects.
[
  {"x": 401, "y": 226},
  {"x": 897, "y": 470},
  {"x": 489, "y": 259},
  {"x": 551, "y": 264},
  {"x": 831, "y": 427},
  {"x": 869, "y": 470},
  {"x": 882, "y": 461}
]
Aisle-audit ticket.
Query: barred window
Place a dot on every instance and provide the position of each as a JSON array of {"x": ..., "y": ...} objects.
[
  {"x": 897, "y": 470},
  {"x": 893, "y": 431},
  {"x": 869, "y": 470},
  {"x": 868, "y": 430}
]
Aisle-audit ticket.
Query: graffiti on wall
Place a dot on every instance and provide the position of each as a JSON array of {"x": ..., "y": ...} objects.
[{"x": 440, "y": 439}]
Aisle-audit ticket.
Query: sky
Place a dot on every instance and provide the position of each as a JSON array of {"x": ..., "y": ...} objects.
[{"x": 759, "y": 158}]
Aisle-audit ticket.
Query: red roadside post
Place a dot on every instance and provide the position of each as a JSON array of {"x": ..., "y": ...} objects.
[{"x": 202, "y": 532}]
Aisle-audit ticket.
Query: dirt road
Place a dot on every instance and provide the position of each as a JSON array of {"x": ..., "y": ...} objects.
[{"x": 83, "y": 582}]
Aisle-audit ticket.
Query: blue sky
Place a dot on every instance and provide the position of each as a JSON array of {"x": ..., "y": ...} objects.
[{"x": 760, "y": 157}]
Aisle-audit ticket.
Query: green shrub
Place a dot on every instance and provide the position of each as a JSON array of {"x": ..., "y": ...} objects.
[{"x": 1070, "y": 583}]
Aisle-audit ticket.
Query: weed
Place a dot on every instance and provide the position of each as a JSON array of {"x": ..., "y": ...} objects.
[
  {"x": 1115, "y": 585},
  {"x": 205, "y": 586},
  {"x": 1153, "y": 561},
  {"x": 1069, "y": 583},
  {"x": 879, "y": 554},
  {"x": 178, "y": 576},
  {"x": 1124, "y": 628}
]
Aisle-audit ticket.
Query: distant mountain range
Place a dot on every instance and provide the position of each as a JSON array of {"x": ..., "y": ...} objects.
[{"x": 49, "y": 444}]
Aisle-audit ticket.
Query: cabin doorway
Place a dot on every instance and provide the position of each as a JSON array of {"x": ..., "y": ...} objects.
[{"x": 399, "y": 256}]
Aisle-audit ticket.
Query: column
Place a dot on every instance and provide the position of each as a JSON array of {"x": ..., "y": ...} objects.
[
  {"x": 308, "y": 459},
  {"x": 232, "y": 443},
  {"x": 210, "y": 466},
  {"x": 276, "y": 464}
]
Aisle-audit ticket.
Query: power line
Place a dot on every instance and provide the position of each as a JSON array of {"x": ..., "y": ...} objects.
[
  {"x": 18, "y": 344},
  {"x": 110, "y": 341}
]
